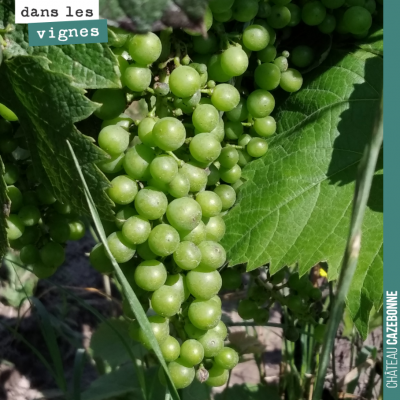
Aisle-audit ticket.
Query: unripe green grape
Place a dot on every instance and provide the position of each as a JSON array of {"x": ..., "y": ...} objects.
[
  {"x": 282, "y": 63},
  {"x": 357, "y": 20},
  {"x": 197, "y": 176},
  {"x": 228, "y": 157},
  {"x": 265, "y": 127},
  {"x": 294, "y": 303},
  {"x": 123, "y": 121},
  {"x": 192, "y": 352},
  {"x": 234, "y": 61},
  {"x": 267, "y": 55},
  {"x": 333, "y": 3},
  {"x": 205, "y": 118},
  {"x": 113, "y": 139},
  {"x": 160, "y": 328},
  {"x": 179, "y": 186},
  {"x": 227, "y": 195},
  {"x": 166, "y": 301},
  {"x": 123, "y": 190},
  {"x": 179, "y": 104},
  {"x": 291, "y": 80},
  {"x": 151, "y": 203},
  {"x": 213, "y": 177},
  {"x": 145, "y": 131},
  {"x": 315, "y": 294},
  {"x": 145, "y": 48},
  {"x": 279, "y": 17},
  {"x": 29, "y": 254},
  {"x": 205, "y": 148},
  {"x": 136, "y": 229},
  {"x": 113, "y": 103},
  {"x": 44, "y": 195},
  {"x": 370, "y": 5},
  {"x": 197, "y": 235},
  {"x": 203, "y": 283},
  {"x": 182, "y": 375},
  {"x": 219, "y": 6},
  {"x": 42, "y": 271},
  {"x": 145, "y": 252},
  {"x": 11, "y": 174},
  {"x": 227, "y": 358},
  {"x": 267, "y": 76},
  {"x": 295, "y": 14},
  {"x": 184, "y": 81},
  {"x": 169, "y": 133},
  {"x": 59, "y": 231},
  {"x": 233, "y": 130},
  {"x": 215, "y": 71},
  {"x": 247, "y": 309},
  {"x": 206, "y": 45},
  {"x": 123, "y": 215},
  {"x": 194, "y": 100},
  {"x": 29, "y": 215},
  {"x": 291, "y": 334},
  {"x": 313, "y": 13},
  {"x": 99, "y": 260},
  {"x": 30, "y": 235},
  {"x": 215, "y": 229},
  {"x": 210, "y": 202},
  {"x": 262, "y": 317},
  {"x": 164, "y": 168},
  {"x": 7, "y": 114},
  {"x": 163, "y": 240},
  {"x": 302, "y": 56},
  {"x": 150, "y": 275},
  {"x": 213, "y": 255},
  {"x": 224, "y": 16},
  {"x": 178, "y": 283},
  {"x": 212, "y": 343},
  {"x": 76, "y": 230},
  {"x": 245, "y": 10},
  {"x": 184, "y": 214},
  {"x": 231, "y": 279},
  {"x": 7, "y": 143},
  {"x": 255, "y": 37},
  {"x": 192, "y": 331},
  {"x": 15, "y": 227},
  {"x": 170, "y": 349},
  {"x": 204, "y": 314},
  {"x": 120, "y": 248},
  {"x": 225, "y": 97},
  {"x": 137, "y": 77},
  {"x": 161, "y": 88},
  {"x": 328, "y": 25},
  {"x": 112, "y": 165},
  {"x": 15, "y": 196},
  {"x": 239, "y": 113},
  {"x": 52, "y": 255},
  {"x": 260, "y": 103},
  {"x": 257, "y": 147},
  {"x": 137, "y": 162},
  {"x": 187, "y": 256}
]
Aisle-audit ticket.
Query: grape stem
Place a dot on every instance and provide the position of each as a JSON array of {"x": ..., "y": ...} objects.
[
  {"x": 165, "y": 63},
  {"x": 178, "y": 160},
  {"x": 207, "y": 91},
  {"x": 150, "y": 90},
  {"x": 152, "y": 112},
  {"x": 235, "y": 146}
]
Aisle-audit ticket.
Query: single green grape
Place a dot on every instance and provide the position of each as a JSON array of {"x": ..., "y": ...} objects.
[
  {"x": 302, "y": 56},
  {"x": 151, "y": 203},
  {"x": 193, "y": 332},
  {"x": 76, "y": 230},
  {"x": 328, "y": 25},
  {"x": 178, "y": 283},
  {"x": 279, "y": 17},
  {"x": 215, "y": 229},
  {"x": 197, "y": 176},
  {"x": 257, "y": 147},
  {"x": 197, "y": 235},
  {"x": 170, "y": 349},
  {"x": 187, "y": 256},
  {"x": 357, "y": 20},
  {"x": 123, "y": 190},
  {"x": 234, "y": 61},
  {"x": 212, "y": 342},
  {"x": 112, "y": 165},
  {"x": 255, "y": 37},
  {"x": 113, "y": 139},
  {"x": 164, "y": 168},
  {"x": 166, "y": 301},
  {"x": 123, "y": 215},
  {"x": 169, "y": 133},
  {"x": 184, "y": 81},
  {"x": 137, "y": 162},
  {"x": 15, "y": 227},
  {"x": 203, "y": 283},
  {"x": 245, "y": 10},
  {"x": 137, "y": 77},
  {"x": 59, "y": 231},
  {"x": 213, "y": 255},
  {"x": 182, "y": 375},
  {"x": 239, "y": 113},
  {"x": 265, "y": 127},
  {"x": 11, "y": 174},
  {"x": 227, "y": 358},
  {"x": 99, "y": 260},
  {"x": 295, "y": 14},
  {"x": 267, "y": 76},
  {"x": 42, "y": 271},
  {"x": 219, "y": 6},
  {"x": 267, "y": 54},
  {"x": 179, "y": 186},
  {"x": 233, "y": 130},
  {"x": 282, "y": 63},
  {"x": 205, "y": 148},
  {"x": 193, "y": 100},
  {"x": 163, "y": 240},
  {"x": 113, "y": 103},
  {"x": 123, "y": 121},
  {"x": 184, "y": 214},
  {"x": 224, "y": 16},
  {"x": 313, "y": 13},
  {"x": 262, "y": 317},
  {"x": 213, "y": 177},
  {"x": 44, "y": 195},
  {"x": 205, "y": 118},
  {"x": 225, "y": 97},
  {"x": 227, "y": 195},
  {"x": 136, "y": 229},
  {"x": 150, "y": 275},
  {"x": 206, "y": 45},
  {"x": 52, "y": 254},
  {"x": 291, "y": 80},
  {"x": 120, "y": 248},
  {"x": 145, "y": 48},
  {"x": 247, "y": 309},
  {"x": 29, "y": 254},
  {"x": 204, "y": 314},
  {"x": 7, "y": 114},
  {"x": 160, "y": 328},
  {"x": 231, "y": 279},
  {"x": 192, "y": 352},
  {"x": 260, "y": 103},
  {"x": 30, "y": 235},
  {"x": 215, "y": 71},
  {"x": 29, "y": 215},
  {"x": 210, "y": 203},
  {"x": 230, "y": 175},
  {"x": 229, "y": 157}
]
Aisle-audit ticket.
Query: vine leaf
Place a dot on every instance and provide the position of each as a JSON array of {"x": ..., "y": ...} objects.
[
  {"x": 4, "y": 204},
  {"x": 374, "y": 41},
  {"x": 296, "y": 204},
  {"x": 154, "y": 15}
]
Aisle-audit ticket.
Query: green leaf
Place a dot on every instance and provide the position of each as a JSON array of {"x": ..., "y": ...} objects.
[
  {"x": 4, "y": 212},
  {"x": 47, "y": 107},
  {"x": 197, "y": 391},
  {"x": 374, "y": 41},
  {"x": 296, "y": 204},
  {"x": 106, "y": 344},
  {"x": 145, "y": 15},
  {"x": 130, "y": 295}
]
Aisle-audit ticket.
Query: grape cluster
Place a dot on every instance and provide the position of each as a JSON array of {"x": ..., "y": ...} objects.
[{"x": 37, "y": 225}]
